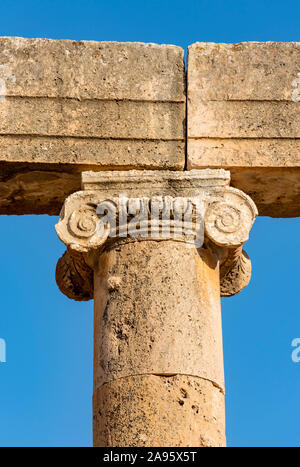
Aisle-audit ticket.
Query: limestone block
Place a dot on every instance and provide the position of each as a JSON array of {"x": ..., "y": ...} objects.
[
  {"x": 159, "y": 411},
  {"x": 284, "y": 153},
  {"x": 244, "y": 119},
  {"x": 249, "y": 71},
  {"x": 91, "y": 119},
  {"x": 243, "y": 114},
  {"x": 92, "y": 105},
  {"x": 87, "y": 70}
]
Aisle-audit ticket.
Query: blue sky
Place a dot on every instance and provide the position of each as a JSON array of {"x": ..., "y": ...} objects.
[{"x": 46, "y": 383}]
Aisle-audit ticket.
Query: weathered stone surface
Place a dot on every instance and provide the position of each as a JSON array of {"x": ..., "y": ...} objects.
[
  {"x": 243, "y": 114},
  {"x": 30, "y": 189},
  {"x": 74, "y": 277},
  {"x": 235, "y": 272},
  {"x": 69, "y": 106},
  {"x": 144, "y": 154},
  {"x": 159, "y": 411},
  {"x": 244, "y": 119},
  {"x": 158, "y": 346},
  {"x": 251, "y": 71},
  {"x": 213, "y": 210},
  {"x": 157, "y": 319},
  {"x": 92, "y": 70},
  {"x": 276, "y": 191},
  {"x": 157, "y": 311},
  {"x": 246, "y": 152},
  {"x": 101, "y": 105},
  {"x": 94, "y": 119},
  {"x": 138, "y": 183}
]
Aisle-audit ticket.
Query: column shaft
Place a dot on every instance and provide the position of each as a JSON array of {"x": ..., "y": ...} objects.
[{"x": 158, "y": 366}]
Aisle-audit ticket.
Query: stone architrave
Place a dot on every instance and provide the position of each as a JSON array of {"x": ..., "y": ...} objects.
[
  {"x": 243, "y": 114},
  {"x": 68, "y": 106}
]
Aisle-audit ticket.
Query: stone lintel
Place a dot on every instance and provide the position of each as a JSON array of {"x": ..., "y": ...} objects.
[
  {"x": 243, "y": 115},
  {"x": 68, "y": 106}
]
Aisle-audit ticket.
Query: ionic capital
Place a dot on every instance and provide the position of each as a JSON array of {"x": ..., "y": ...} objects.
[{"x": 194, "y": 207}]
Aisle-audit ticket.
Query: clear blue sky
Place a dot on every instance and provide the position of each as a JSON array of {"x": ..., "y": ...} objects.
[{"x": 46, "y": 384}]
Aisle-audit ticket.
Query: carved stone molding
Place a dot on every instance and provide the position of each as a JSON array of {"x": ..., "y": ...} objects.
[
  {"x": 184, "y": 206},
  {"x": 235, "y": 272},
  {"x": 74, "y": 277},
  {"x": 228, "y": 220},
  {"x": 197, "y": 202}
]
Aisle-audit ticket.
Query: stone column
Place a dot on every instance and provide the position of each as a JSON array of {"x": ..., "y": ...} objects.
[{"x": 156, "y": 250}]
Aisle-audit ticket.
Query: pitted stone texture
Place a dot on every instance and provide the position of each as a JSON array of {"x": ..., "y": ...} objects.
[
  {"x": 148, "y": 183},
  {"x": 276, "y": 191},
  {"x": 218, "y": 152},
  {"x": 157, "y": 311},
  {"x": 92, "y": 70},
  {"x": 243, "y": 114},
  {"x": 159, "y": 411},
  {"x": 117, "y": 120},
  {"x": 74, "y": 274},
  {"x": 262, "y": 71},
  {"x": 244, "y": 119},
  {"x": 87, "y": 105}
]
